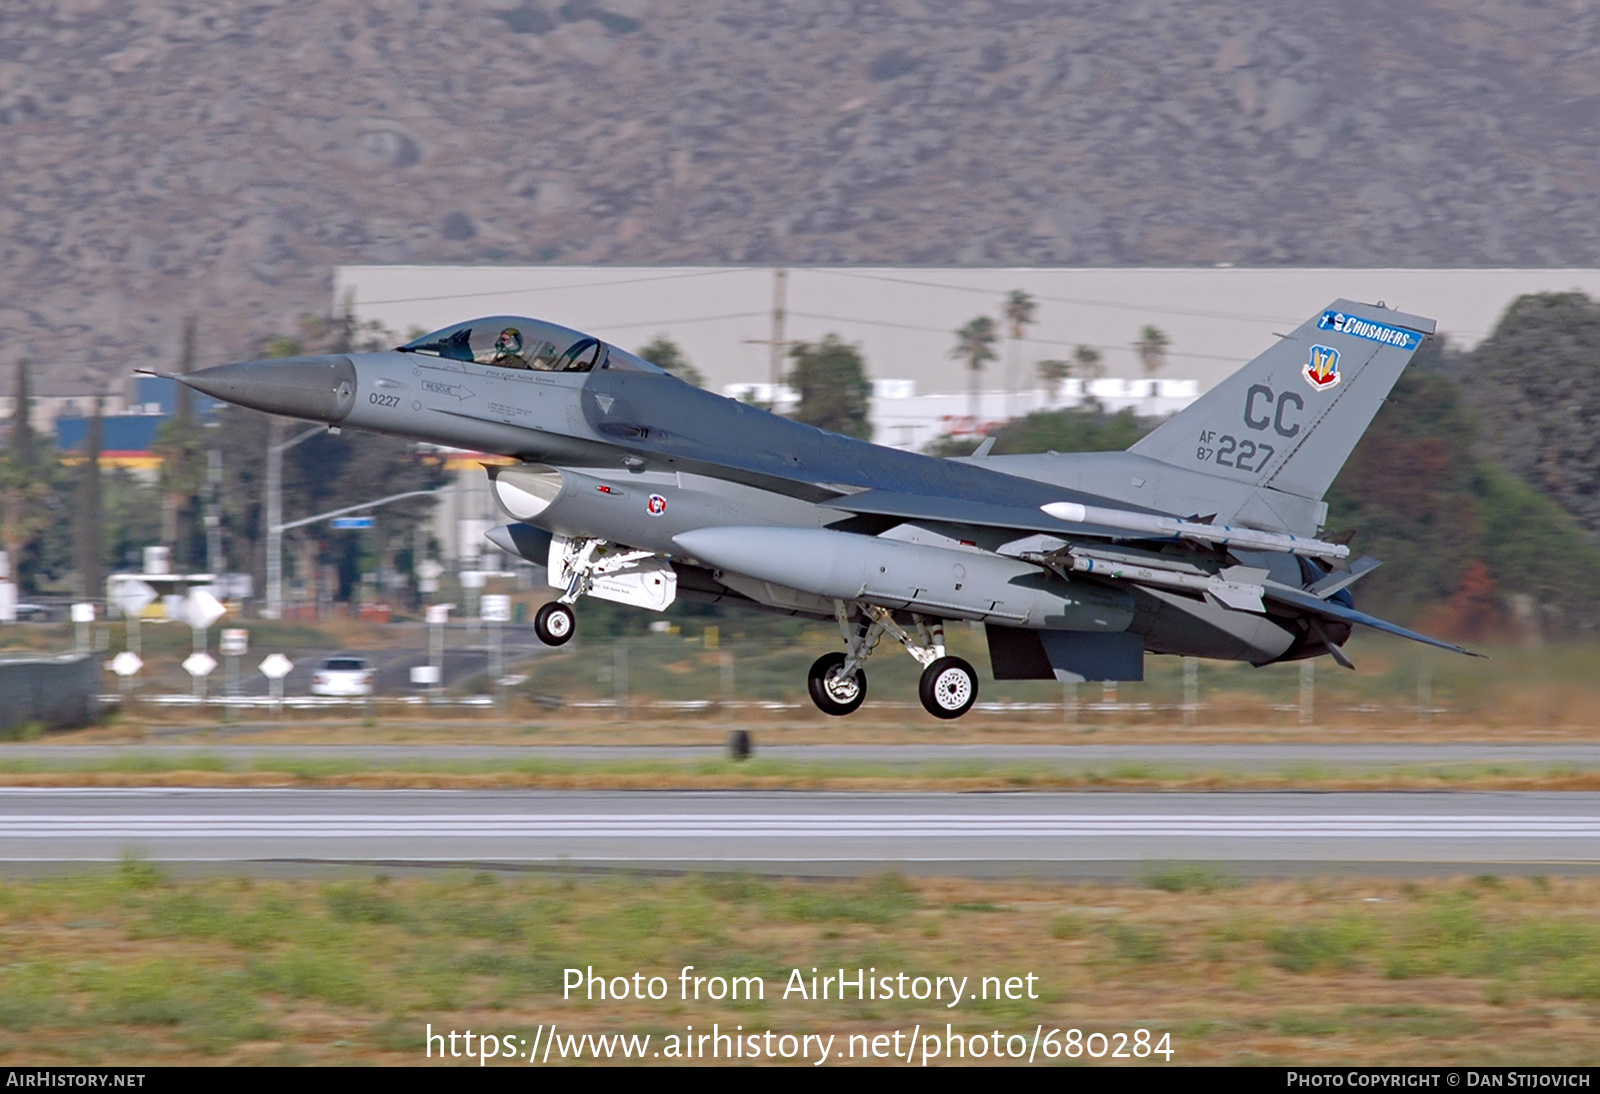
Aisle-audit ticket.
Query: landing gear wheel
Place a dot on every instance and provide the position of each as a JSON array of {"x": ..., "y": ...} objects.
[
  {"x": 554, "y": 624},
  {"x": 949, "y": 687},
  {"x": 833, "y": 692}
]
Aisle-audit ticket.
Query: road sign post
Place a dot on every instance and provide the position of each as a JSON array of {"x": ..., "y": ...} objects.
[
  {"x": 126, "y": 665},
  {"x": 83, "y": 616},
  {"x": 199, "y": 665},
  {"x": 201, "y": 609},
  {"x": 235, "y": 643},
  {"x": 275, "y": 666},
  {"x": 131, "y": 599},
  {"x": 496, "y": 610},
  {"x": 472, "y": 582},
  {"x": 428, "y": 574},
  {"x": 437, "y": 614}
]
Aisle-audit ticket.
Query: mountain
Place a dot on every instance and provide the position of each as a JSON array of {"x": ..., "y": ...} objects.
[{"x": 160, "y": 158}]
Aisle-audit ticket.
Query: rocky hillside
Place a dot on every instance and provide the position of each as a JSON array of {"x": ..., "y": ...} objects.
[{"x": 218, "y": 157}]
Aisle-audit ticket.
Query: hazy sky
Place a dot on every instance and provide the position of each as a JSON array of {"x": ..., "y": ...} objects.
[{"x": 904, "y": 318}]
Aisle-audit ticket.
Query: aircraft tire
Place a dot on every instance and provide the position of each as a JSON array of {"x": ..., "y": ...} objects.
[
  {"x": 826, "y": 697},
  {"x": 948, "y": 688},
  {"x": 554, "y": 624}
]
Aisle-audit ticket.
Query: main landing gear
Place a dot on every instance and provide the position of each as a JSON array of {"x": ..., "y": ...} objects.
[
  {"x": 832, "y": 689},
  {"x": 838, "y": 681}
]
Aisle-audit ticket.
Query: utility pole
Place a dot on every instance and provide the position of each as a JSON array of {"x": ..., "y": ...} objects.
[
  {"x": 780, "y": 293},
  {"x": 214, "y": 561},
  {"x": 275, "y": 451},
  {"x": 776, "y": 345}
]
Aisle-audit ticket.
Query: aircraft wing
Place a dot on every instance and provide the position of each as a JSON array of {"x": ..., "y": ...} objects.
[
  {"x": 954, "y": 510},
  {"x": 1101, "y": 523},
  {"x": 1078, "y": 520}
]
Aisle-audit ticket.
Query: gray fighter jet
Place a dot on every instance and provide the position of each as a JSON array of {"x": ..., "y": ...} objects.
[{"x": 1203, "y": 539}]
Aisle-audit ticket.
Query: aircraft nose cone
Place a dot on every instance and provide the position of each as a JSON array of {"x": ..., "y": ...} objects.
[{"x": 321, "y": 389}]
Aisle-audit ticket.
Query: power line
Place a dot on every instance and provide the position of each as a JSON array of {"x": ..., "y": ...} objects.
[
  {"x": 1033, "y": 341},
  {"x": 681, "y": 322},
  {"x": 1077, "y": 301},
  {"x": 546, "y": 288}
]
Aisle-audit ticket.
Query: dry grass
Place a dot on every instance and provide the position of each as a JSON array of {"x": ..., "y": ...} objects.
[
  {"x": 136, "y": 968},
  {"x": 731, "y": 776}
]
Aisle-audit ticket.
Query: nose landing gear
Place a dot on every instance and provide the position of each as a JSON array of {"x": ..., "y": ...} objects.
[
  {"x": 554, "y": 623},
  {"x": 597, "y": 567}
]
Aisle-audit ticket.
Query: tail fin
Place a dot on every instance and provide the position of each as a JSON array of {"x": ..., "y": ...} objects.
[{"x": 1289, "y": 419}]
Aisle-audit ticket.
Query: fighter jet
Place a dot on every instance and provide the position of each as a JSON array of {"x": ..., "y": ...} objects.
[{"x": 1204, "y": 539}]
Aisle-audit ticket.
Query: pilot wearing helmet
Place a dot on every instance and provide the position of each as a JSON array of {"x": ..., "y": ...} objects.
[{"x": 508, "y": 349}]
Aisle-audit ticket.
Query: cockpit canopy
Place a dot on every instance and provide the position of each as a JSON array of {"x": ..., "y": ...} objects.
[{"x": 510, "y": 341}]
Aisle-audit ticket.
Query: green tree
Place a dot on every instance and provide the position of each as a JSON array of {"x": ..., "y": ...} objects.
[
  {"x": 1074, "y": 429},
  {"x": 25, "y": 483},
  {"x": 1086, "y": 362},
  {"x": 975, "y": 345},
  {"x": 22, "y": 439},
  {"x": 1453, "y": 529},
  {"x": 88, "y": 547},
  {"x": 1152, "y": 349},
  {"x": 1534, "y": 383},
  {"x": 664, "y": 353},
  {"x": 835, "y": 394},
  {"x": 131, "y": 518}
]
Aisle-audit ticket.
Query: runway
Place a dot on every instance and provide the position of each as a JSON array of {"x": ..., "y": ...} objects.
[
  {"x": 235, "y": 750},
  {"x": 808, "y": 833}
]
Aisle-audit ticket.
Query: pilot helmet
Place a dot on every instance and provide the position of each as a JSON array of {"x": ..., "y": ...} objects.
[{"x": 510, "y": 341}]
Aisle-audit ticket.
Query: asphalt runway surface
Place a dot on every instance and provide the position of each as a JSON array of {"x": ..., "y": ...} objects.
[
  {"x": 990, "y": 834},
  {"x": 1071, "y": 757}
]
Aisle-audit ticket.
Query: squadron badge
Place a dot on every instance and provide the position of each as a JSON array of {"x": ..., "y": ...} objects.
[
  {"x": 657, "y": 505},
  {"x": 1322, "y": 370}
]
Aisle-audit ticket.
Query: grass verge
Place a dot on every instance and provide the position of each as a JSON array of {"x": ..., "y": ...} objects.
[{"x": 130, "y": 966}]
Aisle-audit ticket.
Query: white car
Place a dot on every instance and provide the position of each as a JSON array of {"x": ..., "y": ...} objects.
[{"x": 342, "y": 676}]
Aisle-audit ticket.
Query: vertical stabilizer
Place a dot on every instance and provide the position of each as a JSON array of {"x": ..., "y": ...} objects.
[{"x": 1289, "y": 419}]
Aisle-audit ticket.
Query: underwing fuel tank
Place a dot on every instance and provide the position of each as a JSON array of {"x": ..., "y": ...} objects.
[{"x": 915, "y": 577}]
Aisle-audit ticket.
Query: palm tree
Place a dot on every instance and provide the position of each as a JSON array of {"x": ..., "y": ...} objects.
[
  {"x": 1019, "y": 311},
  {"x": 1052, "y": 373},
  {"x": 1152, "y": 349},
  {"x": 975, "y": 345},
  {"x": 1087, "y": 364}
]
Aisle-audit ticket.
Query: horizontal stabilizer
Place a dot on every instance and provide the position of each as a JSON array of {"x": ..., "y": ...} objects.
[{"x": 1332, "y": 609}]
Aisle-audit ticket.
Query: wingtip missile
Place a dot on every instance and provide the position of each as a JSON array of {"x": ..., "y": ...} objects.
[{"x": 1222, "y": 535}]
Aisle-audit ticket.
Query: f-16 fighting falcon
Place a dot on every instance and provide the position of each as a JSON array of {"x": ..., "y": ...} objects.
[{"x": 1203, "y": 539}]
